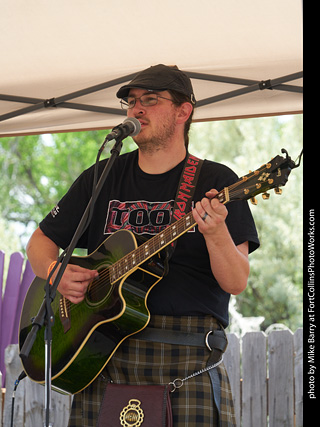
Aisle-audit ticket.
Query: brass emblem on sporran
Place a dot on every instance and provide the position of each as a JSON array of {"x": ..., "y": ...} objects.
[{"x": 132, "y": 415}]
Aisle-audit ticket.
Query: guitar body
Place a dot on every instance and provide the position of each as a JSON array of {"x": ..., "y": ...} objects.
[{"x": 110, "y": 312}]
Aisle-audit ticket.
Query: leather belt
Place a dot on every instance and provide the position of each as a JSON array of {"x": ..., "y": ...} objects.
[{"x": 213, "y": 340}]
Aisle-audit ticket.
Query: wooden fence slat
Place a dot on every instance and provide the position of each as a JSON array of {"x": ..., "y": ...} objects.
[
  {"x": 298, "y": 376},
  {"x": 29, "y": 398},
  {"x": 232, "y": 363},
  {"x": 254, "y": 383},
  {"x": 280, "y": 390}
]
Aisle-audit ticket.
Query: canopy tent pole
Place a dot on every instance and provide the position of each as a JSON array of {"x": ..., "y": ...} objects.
[
  {"x": 262, "y": 85},
  {"x": 61, "y": 101}
]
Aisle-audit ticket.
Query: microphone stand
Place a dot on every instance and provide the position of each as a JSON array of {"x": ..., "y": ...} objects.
[{"x": 45, "y": 314}]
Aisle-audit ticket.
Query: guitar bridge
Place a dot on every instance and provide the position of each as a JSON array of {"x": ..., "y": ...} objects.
[{"x": 64, "y": 314}]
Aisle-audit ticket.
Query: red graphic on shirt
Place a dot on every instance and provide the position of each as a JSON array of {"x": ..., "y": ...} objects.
[{"x": 138, "y": 216}]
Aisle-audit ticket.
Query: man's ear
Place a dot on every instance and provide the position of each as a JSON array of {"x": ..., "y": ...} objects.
[{"x": 185, "y": 110}]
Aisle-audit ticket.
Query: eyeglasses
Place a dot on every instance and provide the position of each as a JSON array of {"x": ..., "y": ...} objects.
[{"x": 146, "y": 100}]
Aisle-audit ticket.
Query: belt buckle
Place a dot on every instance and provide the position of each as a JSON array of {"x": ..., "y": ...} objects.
[{"x": 207, "y": 340}]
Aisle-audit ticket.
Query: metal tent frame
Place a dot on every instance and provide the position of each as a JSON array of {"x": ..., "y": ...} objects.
[{"x": 64, "y": 100}]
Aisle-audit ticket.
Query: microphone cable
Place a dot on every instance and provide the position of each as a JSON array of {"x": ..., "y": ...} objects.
[{"x": 16, "y": 383}]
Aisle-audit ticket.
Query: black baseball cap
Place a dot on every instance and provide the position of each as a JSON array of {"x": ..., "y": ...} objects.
[{"x": 160, "y": 77}]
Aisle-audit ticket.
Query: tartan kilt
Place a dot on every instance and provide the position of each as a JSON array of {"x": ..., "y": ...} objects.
[{"x": 142, "y": 362}]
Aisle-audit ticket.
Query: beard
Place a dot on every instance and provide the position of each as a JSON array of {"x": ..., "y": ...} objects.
[{"x": 151, "y": 140}]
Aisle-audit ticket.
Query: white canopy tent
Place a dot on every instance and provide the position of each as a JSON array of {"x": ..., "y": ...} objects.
[{"x": 63, "y": 61}]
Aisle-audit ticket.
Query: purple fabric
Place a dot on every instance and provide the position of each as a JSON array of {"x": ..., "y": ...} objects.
[{"x": 12, "y": 301}]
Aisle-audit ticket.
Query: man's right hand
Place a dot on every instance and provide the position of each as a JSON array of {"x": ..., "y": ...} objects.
[
  {"x": 42, "y": 251},
  {"x": 74, "y": 282}
]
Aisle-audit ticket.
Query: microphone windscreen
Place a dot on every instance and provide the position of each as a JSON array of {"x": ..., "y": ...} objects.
[{"x": 136, "y": 126}]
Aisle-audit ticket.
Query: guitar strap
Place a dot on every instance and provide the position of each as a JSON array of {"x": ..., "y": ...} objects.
[
  {"x": 182, "y": 204},
  {"x": 186, "y": 187}
]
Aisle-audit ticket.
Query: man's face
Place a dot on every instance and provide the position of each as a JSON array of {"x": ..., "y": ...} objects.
[{"x": 158, "y": 122}]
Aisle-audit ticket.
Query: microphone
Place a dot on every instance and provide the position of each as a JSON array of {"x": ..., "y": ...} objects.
[{"x": 130, "y": 127}]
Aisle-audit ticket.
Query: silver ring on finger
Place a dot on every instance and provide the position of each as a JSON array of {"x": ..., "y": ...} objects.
[{"x": 204, "y": 216}]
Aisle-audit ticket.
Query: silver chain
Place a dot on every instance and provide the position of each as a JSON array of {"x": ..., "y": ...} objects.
[{"x": 178, "y": 382}]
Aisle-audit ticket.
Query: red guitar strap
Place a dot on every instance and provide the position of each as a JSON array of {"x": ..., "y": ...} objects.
[
  {"x": 186, "y": 187},
  {"x": 184, "y": 197}
]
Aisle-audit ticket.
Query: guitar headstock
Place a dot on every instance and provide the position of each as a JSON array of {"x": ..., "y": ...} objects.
[{"x": 271, "y": 175}]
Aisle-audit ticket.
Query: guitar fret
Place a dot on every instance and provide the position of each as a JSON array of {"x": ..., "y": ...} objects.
[
  {"x": 125, "y": 266},
  {"x": 174, "y": 232},
  {"x": 113, "y": 275}
]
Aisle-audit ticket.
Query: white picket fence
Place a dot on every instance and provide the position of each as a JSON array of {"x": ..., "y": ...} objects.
[{"x": 265, "y": 374}]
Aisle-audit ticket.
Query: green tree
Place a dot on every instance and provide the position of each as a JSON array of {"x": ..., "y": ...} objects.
[
  {"x": 37, "y": 170},
  {"x": 274, "y": 289}
]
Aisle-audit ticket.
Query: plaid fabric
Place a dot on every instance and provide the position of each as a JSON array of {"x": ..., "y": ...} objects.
[{"x": 143, "y": 362}]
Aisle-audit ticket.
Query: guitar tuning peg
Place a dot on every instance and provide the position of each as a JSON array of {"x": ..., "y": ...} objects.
[
  {"x": 278, "y": 190},
  {"x": 265, "y": 196},
  {"x": 253, "y": 200}
]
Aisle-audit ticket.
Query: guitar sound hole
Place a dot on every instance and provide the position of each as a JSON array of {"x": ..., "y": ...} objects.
[{"x": 99, "y": 289}]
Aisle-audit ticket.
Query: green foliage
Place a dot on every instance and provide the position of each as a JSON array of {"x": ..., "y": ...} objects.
[
  {"x": 274, "y": 289},
  {"x": 37, "y": 170}
]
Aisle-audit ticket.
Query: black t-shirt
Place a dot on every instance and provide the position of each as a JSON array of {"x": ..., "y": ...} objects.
[{"x": 142, "y": 203}]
